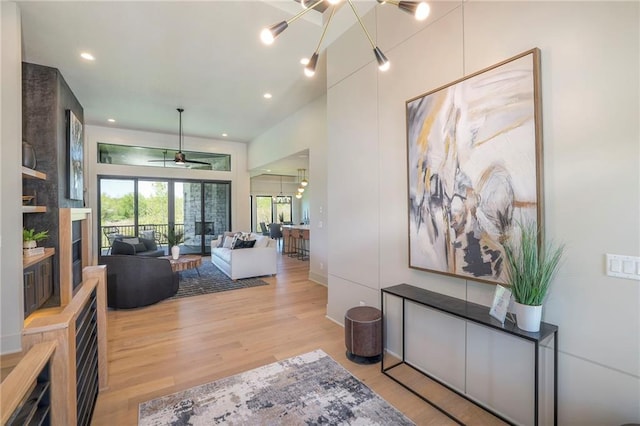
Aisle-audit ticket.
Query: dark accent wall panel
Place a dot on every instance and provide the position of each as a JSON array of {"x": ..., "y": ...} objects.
[{"x": 45, "y": 98}]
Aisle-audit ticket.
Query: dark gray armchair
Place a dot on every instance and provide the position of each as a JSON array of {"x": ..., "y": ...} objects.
[{"x": 135, "y": 281}]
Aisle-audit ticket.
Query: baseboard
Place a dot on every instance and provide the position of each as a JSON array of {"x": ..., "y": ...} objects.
[{"x": 319, "y": 279}]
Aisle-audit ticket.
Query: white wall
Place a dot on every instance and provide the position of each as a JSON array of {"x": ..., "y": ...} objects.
[
  {"x": 590, "y": 102},
  {"x": 238, "y": 176},
  {"x": 304, "y": 130},
  {"x": 11, "y": 303}
]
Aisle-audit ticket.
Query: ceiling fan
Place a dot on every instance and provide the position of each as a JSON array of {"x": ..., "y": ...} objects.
[{"x": 179, "y": 157}]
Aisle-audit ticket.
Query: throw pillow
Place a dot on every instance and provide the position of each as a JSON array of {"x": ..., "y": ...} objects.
[
  {"x": 249, "y": 244},
  {"x": 140, "y": 247},
  {"x": 220, "y": 240},
  {"x": 261, "y": 241},
  {"x": 228, "y": 242},
  {"x": 238, "y": 244},
  {"x": 133, "y": 241}
]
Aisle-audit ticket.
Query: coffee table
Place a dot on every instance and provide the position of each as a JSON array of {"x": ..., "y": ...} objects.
[{"x": 184, "y": 262}]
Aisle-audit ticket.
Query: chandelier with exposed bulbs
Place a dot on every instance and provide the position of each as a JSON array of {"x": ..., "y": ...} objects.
[{"x": 420, "y": 10}]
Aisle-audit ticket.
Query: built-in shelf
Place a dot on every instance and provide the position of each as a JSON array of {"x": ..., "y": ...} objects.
[
  {"x": 33, "y": 174},
  {"x": 34, "y": 209},
  {"x": 32, "y": 260}
]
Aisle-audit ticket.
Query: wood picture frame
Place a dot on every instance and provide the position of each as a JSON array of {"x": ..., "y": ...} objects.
[
  {"x": 474, "y": 165},
  {"x": 76, "y": 157}
]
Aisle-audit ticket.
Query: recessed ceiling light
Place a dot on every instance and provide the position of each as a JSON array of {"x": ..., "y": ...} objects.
[
  {"x": 267, "y": 96},
  {"x": 88, "y": 56},
  {"x": 111, "y": 120},
  {"x": 225, "y": 135},
  {"x": 304, "y": 61}
]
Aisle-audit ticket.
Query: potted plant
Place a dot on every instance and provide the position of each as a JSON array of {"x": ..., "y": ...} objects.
[
  {"x": 529, "y": 269},
  {"x": 30, "y": 237},
  {"x": 173, "y": 240}
]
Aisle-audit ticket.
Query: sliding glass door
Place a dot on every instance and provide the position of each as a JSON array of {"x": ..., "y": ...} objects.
[{"x": 136, "y": 207}]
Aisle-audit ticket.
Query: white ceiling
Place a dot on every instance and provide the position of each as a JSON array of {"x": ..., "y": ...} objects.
[{"x": 204, "y": 56}]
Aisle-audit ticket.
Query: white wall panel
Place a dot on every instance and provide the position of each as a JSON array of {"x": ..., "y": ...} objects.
[
  {"x": 500, "y": 371},
  {"x": 11, "y": 300},
  {"x": 435, "y": 343},
  {"x": 353, "y": 177},
  {"x": 344, "y": 295}
]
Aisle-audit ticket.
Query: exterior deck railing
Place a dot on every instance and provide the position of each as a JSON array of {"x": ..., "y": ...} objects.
[{"x": 156, "y": 231}]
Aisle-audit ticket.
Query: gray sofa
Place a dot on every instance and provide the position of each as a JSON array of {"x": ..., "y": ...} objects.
[
  {"x": 135, "y": 281},
  {"x": 136, "y": 246}
]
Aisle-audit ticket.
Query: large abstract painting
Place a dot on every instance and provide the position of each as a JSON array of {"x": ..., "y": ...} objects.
[
  {"x": 474, "y": 166},
  {"x": 76, "y": 170}
]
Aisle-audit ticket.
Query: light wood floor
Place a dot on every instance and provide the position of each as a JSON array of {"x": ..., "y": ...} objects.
[{"x": 174, "y": 345}]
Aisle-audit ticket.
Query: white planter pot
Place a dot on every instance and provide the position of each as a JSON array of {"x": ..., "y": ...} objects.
[
  {"x": 29, "y": 244},
  {"x": 528, "y": 317},
  {"x": 175, "y": 252}
]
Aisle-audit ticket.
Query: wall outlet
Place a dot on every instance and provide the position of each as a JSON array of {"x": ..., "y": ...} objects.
[{"x": 622, "y": 266}]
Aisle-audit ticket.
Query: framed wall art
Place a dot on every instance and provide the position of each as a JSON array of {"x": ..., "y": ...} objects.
[
  {"x": 474, "y": 154},
  {"x": 75, "y": 147}
]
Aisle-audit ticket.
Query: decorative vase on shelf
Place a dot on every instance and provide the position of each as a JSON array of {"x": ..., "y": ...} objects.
[
  {"x": 29, "y": 244},
  {"x": 528, "y": 317},
  {"x": 175, "y": 252},
  {"x": 28, "y": 155}
]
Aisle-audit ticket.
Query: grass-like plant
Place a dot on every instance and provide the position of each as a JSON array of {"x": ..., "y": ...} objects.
[
  {"x": 174, "y": 238},
  {"x": 32, "y": 235},
  {"x": 529, "y": 269}
]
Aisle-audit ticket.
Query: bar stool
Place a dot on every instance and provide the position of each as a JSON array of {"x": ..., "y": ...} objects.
[
  {"x": 303, "y": 240},
  {"x": 293, "y": 243}
]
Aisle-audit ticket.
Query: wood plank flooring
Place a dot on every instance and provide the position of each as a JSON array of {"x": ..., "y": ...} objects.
[{"x": 177, "y": 344}]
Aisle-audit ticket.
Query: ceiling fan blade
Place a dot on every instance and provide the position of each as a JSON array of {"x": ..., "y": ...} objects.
[{"x": 197, "y": 162}]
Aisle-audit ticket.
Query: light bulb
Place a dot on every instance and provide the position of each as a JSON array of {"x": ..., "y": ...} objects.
[
  {"x": 298, "y": 195},
  {"x": 422, "y": 11},
  {"x": 301, "y": 190},
  {"x": 266, "y": 36},
  {"x": 304, "y": 182},
  {"x": 385, "y": 66}
]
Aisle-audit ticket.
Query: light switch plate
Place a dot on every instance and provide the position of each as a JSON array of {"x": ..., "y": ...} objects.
[{"x": 623, "y": 266}]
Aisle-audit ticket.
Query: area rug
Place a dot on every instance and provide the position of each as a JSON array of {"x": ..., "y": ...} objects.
[
  {"x": 310, "y": 389},
  {"x": 210, "y": 280}
]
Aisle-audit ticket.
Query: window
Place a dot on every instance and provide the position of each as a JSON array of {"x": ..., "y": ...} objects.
[
  {"x": 160, "y": 157},
  {"x": 138, "y": 207},
  {"x": 264, "y": 206}
]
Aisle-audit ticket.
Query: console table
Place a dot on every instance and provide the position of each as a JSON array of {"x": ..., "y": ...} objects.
[{"x": 473, "y": 313}]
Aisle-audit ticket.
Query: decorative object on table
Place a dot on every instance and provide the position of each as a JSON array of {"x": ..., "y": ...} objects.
[
  {"x": 307, "y": 389},
  {"x": 28, "y": 155},
  {"x": 30, "y": 240},
  {"x": 174, "y": 238},
  {"x": 474, "y": 167},
  {"x": 530, "y": 265},
  {"x": 209, "y": 279},
  {"x": 76, "y": 156},
  {"x": 501, "y": 302}
]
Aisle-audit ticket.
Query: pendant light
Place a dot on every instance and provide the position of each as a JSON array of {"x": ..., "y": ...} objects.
[{"x": 420, "y": 10}]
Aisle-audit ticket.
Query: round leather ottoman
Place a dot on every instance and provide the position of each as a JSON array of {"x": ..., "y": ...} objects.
[{"x": 363, "y": 334}]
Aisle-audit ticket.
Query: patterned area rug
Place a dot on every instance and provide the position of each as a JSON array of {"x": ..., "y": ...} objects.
[
  {"x": 210, "y": 280},
  {"x": 310, "y": 389}
]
